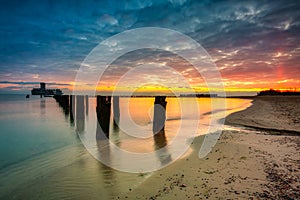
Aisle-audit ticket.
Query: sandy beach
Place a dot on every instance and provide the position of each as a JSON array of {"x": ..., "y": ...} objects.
[
  {"x": 259, "y": 161},
  {"x": 280, "y": 114}
]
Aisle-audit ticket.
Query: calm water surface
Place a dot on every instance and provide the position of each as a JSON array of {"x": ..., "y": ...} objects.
[{"x": 42, "y": 157}]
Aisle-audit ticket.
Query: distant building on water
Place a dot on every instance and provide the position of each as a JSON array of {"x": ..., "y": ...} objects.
[{"x": 45, "y": 92}]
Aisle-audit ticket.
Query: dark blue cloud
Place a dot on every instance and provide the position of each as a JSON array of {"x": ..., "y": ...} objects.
[
  {"x": 31, "y": 83},
  {"x": 52, "y": 38}
]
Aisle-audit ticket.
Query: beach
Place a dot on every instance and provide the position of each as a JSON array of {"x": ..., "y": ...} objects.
[
  {"x": 277, "y": 113},
  {"x": 256, "y": 157}
]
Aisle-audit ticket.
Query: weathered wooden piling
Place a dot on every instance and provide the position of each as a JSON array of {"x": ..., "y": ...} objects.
[
  {"x": 87, "y": 105},
  {"x": 80, "y": 114},
  {"x": 116, "y": 109},
  {"x": 63, "y": 102},
  {"x": 103, "y": 110},
  {"x": 71, "y": 107},
  {"x": 159, "y": 117}
]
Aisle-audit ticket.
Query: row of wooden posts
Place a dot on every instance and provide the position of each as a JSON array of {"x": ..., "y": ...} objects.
[{"x": 103, "y": 110}]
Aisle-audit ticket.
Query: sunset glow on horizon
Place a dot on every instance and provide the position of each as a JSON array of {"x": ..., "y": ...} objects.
[{"x": 255, "y": 45}]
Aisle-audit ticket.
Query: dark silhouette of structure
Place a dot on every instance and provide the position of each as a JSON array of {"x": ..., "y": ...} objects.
[
  {"x": 80, "y": 117},
  {"x": 72, "y": 103},
  {"x": 116, "y": 109},
  {"x": 103, "y": 110},
  {"x": 42, "y": 91},
  {"x": 159, "y": 114},
  {"x": 86, "y": 105},
  {"x": 79, "y": 105},
  {"x": 64, "y": 103}
]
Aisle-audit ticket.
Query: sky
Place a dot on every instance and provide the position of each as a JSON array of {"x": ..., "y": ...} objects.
[{"x": 254, "y": 44}]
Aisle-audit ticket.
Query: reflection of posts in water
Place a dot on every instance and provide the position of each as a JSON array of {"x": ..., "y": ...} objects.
[
  {"x": 108, "y": 176},
  {"x": 103, "y": 152},
  {"x": 116, "y": 109},
  {"x": 43, "y": 106},
  {"x": 159, "y": 114},
  {"x": 71, "y": 107},
  {"x": 87, "y": 105},
  {"x": 80, "y": 114},
  {"x": 161, "y": 142},
  {"x": 103, "y": 110}
]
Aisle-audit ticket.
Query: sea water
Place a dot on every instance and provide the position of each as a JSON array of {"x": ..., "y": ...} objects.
[{"x": 42, "y": 155}]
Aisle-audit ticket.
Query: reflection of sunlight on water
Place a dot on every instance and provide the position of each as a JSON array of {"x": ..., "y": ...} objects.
[
  {"x": 140, "y": 111},
  {"x": 61, "y": 167}
]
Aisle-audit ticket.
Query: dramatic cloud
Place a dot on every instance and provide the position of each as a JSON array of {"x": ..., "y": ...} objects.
[{"x": 254, "y": 43}]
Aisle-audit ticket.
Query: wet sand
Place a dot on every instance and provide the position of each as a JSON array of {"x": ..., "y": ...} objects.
[
  {"x": 280, "y": 113},
  {"x": 258, "y": 163}
]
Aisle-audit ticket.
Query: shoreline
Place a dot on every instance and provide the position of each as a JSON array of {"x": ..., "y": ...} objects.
[
  {"x": 244, "y": 164},
  {"x": 267, "y": 113}
]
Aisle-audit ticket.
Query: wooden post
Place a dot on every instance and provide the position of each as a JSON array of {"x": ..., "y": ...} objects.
[
  {"x": 87, "y": 105},
  {"x": 116, "y": 109},
  {"x": 80, "y": 114},
  {"x": 71, "y": 107},
  {"x": 103, "y": 110},
  {"x": 63, "y": 101},
  {"x": 159, "y": 117}
]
